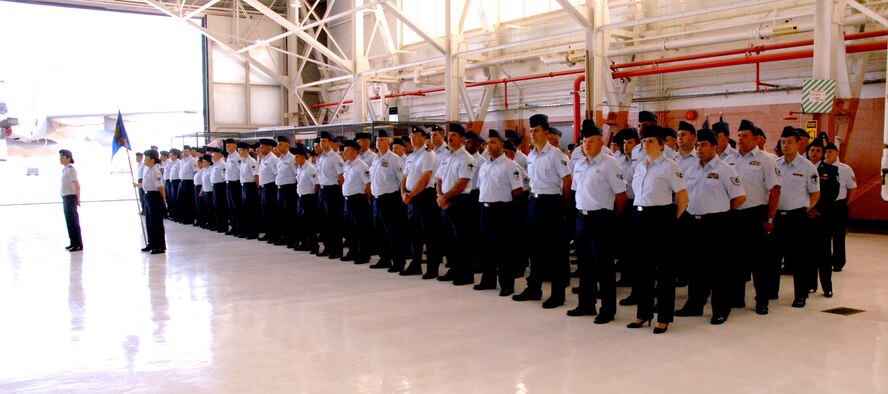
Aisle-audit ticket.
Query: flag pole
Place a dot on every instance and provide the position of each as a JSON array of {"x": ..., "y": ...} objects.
[{"x": 136, "y": 194}]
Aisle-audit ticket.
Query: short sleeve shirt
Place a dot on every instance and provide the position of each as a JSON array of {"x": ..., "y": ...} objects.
[
  {"x": 356, "y": 175},
  {"x": 285, "y": 172},
  {"x": 847, "y": 180},
  {"x": 497, "y": 178},
  {"x": 152, "y": 181},
  {"x": 268, "y": 169},
  {"x": 546, "y": 169},
  {"x": 187, "y": 168},
  {"x": 306, "y": 179},
  {"x": 798, "y": 180},
  {"x": 249, "y": 169},
  {"x": 655, "y": 182},
  {"x": 598, "y": 182},
  {"x": 758, "y": 173},
  {"x": 454, "y": 166},
  {"x": 217, "y": 171},
  {"x": 385, "y": 174},
  {"x": 232, "y": 167},
  {"x": 69, "y": 176},
  {"x": 711, "y": 187},
  {"x": 420, "y": 162},
  {"x": 330, "y": 166}
]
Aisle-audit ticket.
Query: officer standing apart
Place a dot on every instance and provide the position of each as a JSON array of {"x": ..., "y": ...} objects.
[
  {"x": 848, "y": 182},
  {"x": 330, "y": 199},
  {"x": 550, "y": 181},
  {"x": 714, "y": 189},
  {"x": 424, "y": 216},
  {"x": 389, "y": 212},
  {"x": 71, "y": 200},
  {"x": 655, "y": 181},
  {"x": 155, "y": 194},
  {"x": 500, "y": 183},
  {"x": 799, "y": 193},
  {"x": 455, "y": 172},
  {"x": 601, "y": 197}
]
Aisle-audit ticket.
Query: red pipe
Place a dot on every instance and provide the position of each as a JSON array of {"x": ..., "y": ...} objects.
[
  {"x": 753, "y": 49},
  {"x": 576, "y": 94},
  {"x": 506, "y": 95},
  {"x": 855, "y": 48}
]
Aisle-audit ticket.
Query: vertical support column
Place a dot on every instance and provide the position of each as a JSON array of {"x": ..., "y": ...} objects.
[
  {"x": 291, "y": 102},
  {"x": 825, "y": 53},
  {"x": 596, "y": 51},
  {"x": 359, "y": 101},
  {"x": 454, "y": 68}
]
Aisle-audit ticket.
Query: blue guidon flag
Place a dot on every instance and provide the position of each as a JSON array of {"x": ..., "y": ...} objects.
[{"x": 120, "y": 138}]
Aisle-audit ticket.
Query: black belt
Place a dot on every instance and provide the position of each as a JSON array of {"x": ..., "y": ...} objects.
[
  {"x": 329, "y": 186},
  {"x": 791, "y": 211},
  {"x": 587, "y": 213},
  {"x": 537, "y": 195},
  {"x": 354, "y": 195},
  {"x": 232, "y": 182},
  {"x": 708, "y": 215},
  {"x": 218, "y": 183},
  {"x": 152, "y": 191},
  {"x": 269, "y": 183},
  {"x": 655, "y": 208},
  {"x": 387, "y": 195},
  {"x": 495, "y": 204}
]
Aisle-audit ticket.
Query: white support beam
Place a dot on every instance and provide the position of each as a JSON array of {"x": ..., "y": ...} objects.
[
  {"x": 317, "y": 45},
  {"x": 823, "y": 40},
  {"x": 387, "y": 37},
  {"x": 686, "y": 14},
  {"x": 575, "y": 14},
  {"x": 467, "y": 101},
  {"x": 868, "y": 12},
  {"x": 413, "y": 25},
  {"x": 324, "y": 81},
  {"x": 484, "y": 105},
  {"x": 463, "y": 15},
  {"x": 307, "y": 109},
  {"x": 202, "y": 8}
]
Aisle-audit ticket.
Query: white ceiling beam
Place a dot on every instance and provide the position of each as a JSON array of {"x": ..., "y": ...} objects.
[
  {"x": 414, "y": 26},
  {"x": 200, "y": 10},
  {"x": 686, "y": 14},
  {"x": 868, "y": 12},
  {"x": 575, "y": 14}
]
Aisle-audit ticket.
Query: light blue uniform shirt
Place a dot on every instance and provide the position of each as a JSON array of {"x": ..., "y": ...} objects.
[
  {"x": 758, "y": 173},
  {"x": 598, "y": 182},
  {"x": 712, "y": 187},
  {"x": 546, "y": 169},
  {"x": 356, "y": 176},
  {"x": 627, "y": 165},
  {"x": 249, "y": 169},
  {"x": 521, "y": 159},
  {"x": 173, "y": 169},
  {"x": 207, "y": 184},
  {"x": 285, "y": 172},
  {"x": 306, "y": 179},
  {"x": 69, "y": 175},
  {"x": 368, "y": 157},
  {"x": 497, "y": 178},
  {"x": 728, "y": 152},
  {"x": 420, "y": 162},
  {"x": 163, "y": 167},
  {"x": 385, "y": 174},
  {"x": 198, "y": 178},
  {"x": 268, "y": 169},
  {"x": 152, "y": 181},
  {"x": 330, "y": 166},
  {"x": 217, "y": 171},
  {"x": 140, "y": 170},
  {"x": 847, "y": 180},
  {"x": 187, "y": 168},
  {"x": 455, "y": 166},
  {"x": 687, "y": 161},
  {"x": 655, "y": 183},
  {"x": 232, "y": 167},
  {"x": 798, "y": 180},
  {"x": 479, "y": 161}
]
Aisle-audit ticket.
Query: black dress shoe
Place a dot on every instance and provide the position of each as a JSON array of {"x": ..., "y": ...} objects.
[
  {"x": 581, "y": 311},
  {"x": 381, "y": 265},
  {"x": 241, "y": 235},
  {"x": 628, "y": 301},
  {"x": 229, "y": 232},
  {"x": 685, "y": 312},
  {"x": 660, "y": 330},
  {"x": 506, "y": 292},
  {"x": 320, "y": 254},
  {"x": 396, "y": 268},
  {"x": 76, "y": 248},
  {"x": 362, "y": 261},
  {"x": 798, "y": 303},
  {"x": 482, "y": 286},
  {"x": 761, "y": 309},
  {"x": 313, "y": 251},
  {"x": 449, "y": 276},
  {"x": 828, "y": 294},
  {"x": 68, "y": 247},
  {"x": 429, "y": 275},
  {"x": 718, "y": 320},
  {"x": 158, "y": 251},
  {"x": 412, "y": 269},
  {"x": 553, "y": 302},
  {"x": 837, "y": 269},
  {"x": 348, "y": 257},
  {"x": 602, "y": 319},
  {"x": 252, "y": 237},
  {"x": 263, "y": 238},
  {"x": 639, "y": 324},
  {"x": 464, "y": 281},
  {"x": 528, "y": 295},
  {"x": 146, "y": 249},
  {"x": 334, "y": 256}
]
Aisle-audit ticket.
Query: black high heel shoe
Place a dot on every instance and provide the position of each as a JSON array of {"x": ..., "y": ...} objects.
[
  {"x": 660, "y": 330},
  {"x": 639, "y": 324}
]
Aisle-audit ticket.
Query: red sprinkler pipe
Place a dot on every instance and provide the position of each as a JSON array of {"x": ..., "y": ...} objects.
[
  {"x": 854, "y": 48},
  {"x": 576, "y": 94}
]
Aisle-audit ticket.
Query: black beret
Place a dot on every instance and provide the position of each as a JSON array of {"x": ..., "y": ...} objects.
[
  {"x": 687, "y": 127},
  {"x": 789, "y": 131},
  {"x": 515, "y": 135},
  {"x": 758, "y": 132},
  {"x": 283, "y": 138},
  {"x": 539, "y": 120},
  {"x": 67, "y": 153},
  {"x": 200, "y": 150},
  {"x": 362, "y": 135},
  {"x": 628, "y": 133},
  {"x": 214, "y": 149},
  {"x": 418, "y": 129},
  {"x": 493, "y": 133},
  {"x": 207, "y": 158},
  {"x": 555, "y": 131},
  {"x": 267, "y": 142},
  {"x": 647, "y": 116},
  {"x": 327, "y": 135},
  {"x": 707, "y": 135},
  {"x": 230, "y": 141},
  {"x": 571, "y": 146},
  {"x": 721, "y": 128},
  {"x": 831, "y": 146},
  {"x": 651, "y": 131},
  {"x": 435, "y": 127},
  {"x": 152, "y": 154},
  {"x": 383, "y": 133},
  {"x": 351, "y": 144},
  {"x": 746, "y": 125},
  {"x": 139, "y": 154},
  {"x": 164, "y": 153},
  {"x": 243, "y": 145},
  {"x": 400, "y": 141},
  {"x": 176, "y": 152},
  {"x": 669, "y": 132},
  {"x": 802, "y": 133},
  {"x": 471, "y": 135},
  {"x": 457, "y": 128},
  {"x": 339, "y": 139},
  {"x": 590, "y": 129},
  {"x": 508, "y": 145},
  {"x": 299, "y": 151},
  {"x": 817, "y": 143},
  {"x": 186, "y": 147},
  {"x": 153, "y": 147}
]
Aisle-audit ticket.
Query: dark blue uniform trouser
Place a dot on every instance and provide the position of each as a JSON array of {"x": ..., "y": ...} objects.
[
  {"x": 820, "y": 251},
  {"x": 200, "y": 214},
  {"x": 173, "y": 198},
  {"x": 424, "y": 218},
  {"x": 709, "y": 270},
  {"x": 758, "y": 260},
  {"x": 72, "y": 219},
  {"x": 185, "y": 204},
  {"x": 791, "y": 234},
  {"x": 286, "y": 205},
  {"x": 250, "y": 197},
  {"x": 330, "y": 210},
  {"x": 838, "y": 229},
  {"x": 167, "y": 185},
  {"x": 269, "y": 195},
  {"x": 549, "y": 258},
  {"x": 456, "y": 220},
  {"x": 497, "y": 234},
  {"x": 209, "y": 204},
  {"x": 141, "y": 197},
  {"x": 654, "y": 263},
  {"x": 154, "y": 211},
  {"x": 390, "y": 222},
  {"x": 235, "y": 206},
  {"x": 220, "y": 204},
  {"x": 594, "y": 241},
  {"x": 357, "y": 210},
  {"x": 307, "y": 215}
]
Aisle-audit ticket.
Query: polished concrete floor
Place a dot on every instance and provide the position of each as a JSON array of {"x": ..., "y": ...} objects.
[{"x": 220, "y": 314}]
